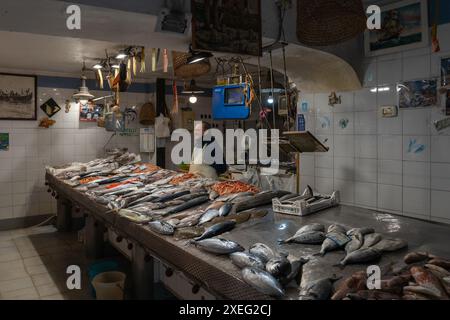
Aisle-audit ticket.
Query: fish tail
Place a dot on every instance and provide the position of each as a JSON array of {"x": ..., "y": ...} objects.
[
  {"x": 284, "y": 241},
  {"x": 320, "y": 253}
]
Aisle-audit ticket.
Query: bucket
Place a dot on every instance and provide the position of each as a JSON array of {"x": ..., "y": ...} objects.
[
  {"x": 99, "y": 267},
  {"x": 109, "y": 285}
]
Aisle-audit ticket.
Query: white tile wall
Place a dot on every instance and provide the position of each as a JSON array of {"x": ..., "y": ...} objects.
[
  {"x": 31, "y": 148},
  {"x": 376, "y": 162}
]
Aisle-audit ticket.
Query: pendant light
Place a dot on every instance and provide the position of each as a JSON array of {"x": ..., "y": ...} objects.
[
  {"x": 197, "y": 56},
  {"x": 83, "y": 95}
]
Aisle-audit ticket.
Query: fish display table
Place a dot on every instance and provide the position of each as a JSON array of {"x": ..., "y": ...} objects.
[{"x": 222, "y": 278}]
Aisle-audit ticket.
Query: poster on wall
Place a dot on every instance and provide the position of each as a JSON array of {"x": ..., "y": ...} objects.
[
  {"x": 50, "y": 107},
  {"x": 4, "y": 141},
  {"x": 17, "y": 97},
  {"x": 445, "y": 72},
  {"x": 90, "y": 112},
  {"x": 417, "y": 94},
  {"x": 404, "y": 26},
  {"x": 227, "y": 26}
]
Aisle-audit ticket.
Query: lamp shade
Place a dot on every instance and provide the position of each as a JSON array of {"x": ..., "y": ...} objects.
[{"x": 83, "y": 93}]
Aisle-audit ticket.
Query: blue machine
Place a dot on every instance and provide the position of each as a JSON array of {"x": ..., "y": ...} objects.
[{"x": 229, "y": 102}]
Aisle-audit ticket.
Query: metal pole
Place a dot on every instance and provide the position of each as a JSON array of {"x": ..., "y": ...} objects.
[{"x": 271, "y": 88}]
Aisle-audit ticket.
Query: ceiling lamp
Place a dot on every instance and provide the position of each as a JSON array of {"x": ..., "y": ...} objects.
[
  {"x": 193, "y": 99},
  {"x": 97, "y": 66},
  {"x": 197, "y": 56},
  {"x": 192, "y": 88},
  {"x": 83, "y": 95},
  {"x": 121, "y": 55}
]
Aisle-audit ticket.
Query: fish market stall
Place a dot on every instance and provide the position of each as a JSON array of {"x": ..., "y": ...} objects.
[{"x": 224, "y": 237}]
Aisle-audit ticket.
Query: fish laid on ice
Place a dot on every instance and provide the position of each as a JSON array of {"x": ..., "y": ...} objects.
[
  {"x": 218, "y": 246},
  {"x": 244, "y": 260},
  {"x": 333, "y": 241},
  {"x": 308, "y": 237},
  {"x": 317, "y": 290},
  {"x": 262, "y": 281},
  {"x": 161, "y": 227},
  {"x": 208, "y": 216},
  {"x": 361, "y": 256},
  {"x": 356, "y": 242},
  {"x": 414, "y": 257},
  {"x": 264, "y": 252},
  {"x": 217, "y": 229},
  {"x": 390, "y": 245},
  {"x": 371, "y": 239}
]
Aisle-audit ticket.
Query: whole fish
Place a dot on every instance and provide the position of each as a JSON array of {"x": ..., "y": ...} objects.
[
  {"x": 260, "y": 199},
  {"x": 238, "y": 218},
  {"x": 217, "y": 229},
  {"x": 363, "y": 231},
  {"x": 255, "y": 214},
  {"x": 279, "y": 267},
  {"x": 190, "y": 221},
  {"x": 147, "y": 198},
  {"x": 371, "y": 239},
  {"x": 171, "y": 196},
  {"x": 244, "y": 260},
  {"x": 188, "y": 233},
  {"x": 225, "y": 209},
  {"x": 352, "y": 284},
  {"x": 308, "y": 237},
  {"x": 208, "y": 216},
  {"x": 187, "y": 205},
  {"x": 361, "y": 256},
  {"x": 414, "y": 257},
  {"x": 240, "y": 195},
  {"x": 213, "y": 195},
  {"x": 262, "y": 281},
  {"x": 427, "y": 280},
  {"x": 336, "y": 228},
  {"x": 192, "y": 195},
  {"x": 296, "y": 271},
  {"x": 423, "y": 291},
  {"x": 356, "y": 242},
  {"x": 311, "y": 227},
  {"x": 218, "y": 246},
  {"x": 317, "y": 290},
  {"x": 215, "y": 205},
  {"x": 288, "y": 196},
  {"x": 438, "y": 272},
  {"x": 333, "y": 241},
  {"x": 262, "y": 251},
  {"x": 390, "y": 245},
  {"x": 161, "y": 227},
  {"x": 173, "y": 222},
  {"x": 440, "y": 262}
]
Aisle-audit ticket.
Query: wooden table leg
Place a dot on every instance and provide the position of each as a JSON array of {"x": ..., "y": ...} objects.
[{"x": 142, "y": 274}]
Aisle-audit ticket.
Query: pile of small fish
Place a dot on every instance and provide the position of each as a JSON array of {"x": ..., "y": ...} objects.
[
  {"x": 361, "y": 245},
  {"x": 422, "y": 277}
]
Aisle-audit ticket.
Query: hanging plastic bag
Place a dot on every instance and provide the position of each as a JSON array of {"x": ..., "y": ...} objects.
[{"x": 162, "y": 126}]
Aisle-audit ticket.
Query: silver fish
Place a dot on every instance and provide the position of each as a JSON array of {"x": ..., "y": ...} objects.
[
  {"x": 189, "y": 221},
  {"x": 279, "y": 267},
  {"x": 244, "y": 259},
  {"x": 218, "y": 246},
  {"x": 371, "y": 239},
  {"x": 161, "y": 227},
  {"x": 311, "y": 227},
  {"x": 356, "y": 242},
  {"x": 390, "y": 245},
  {"x": 217, "y": 229},
  {"x": 363, "y": 231},
  {"x": 213, "y": 195},
  {"x": 262, "y": 251},
  {"x": 208, "y": 216},
  {"x": 173, "y": 222},
  {"x": 336, "y": 228},
  {"x": 262, "y": 281},
  {"x": 333, "y": 241},
  {"x": 361, "y": 256},
  {"x": 317, "y": 290},
  {"x": 308, "y": 237},
  {"x": 225, "y": 209}
]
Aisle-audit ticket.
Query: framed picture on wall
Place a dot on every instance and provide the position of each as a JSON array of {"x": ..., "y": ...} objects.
[
  {"x": 18, "y": 97},
  {"x": 227, "y": 26},
  {"x": 404, "y": 26},
  {"x": 445, "y": 72}
]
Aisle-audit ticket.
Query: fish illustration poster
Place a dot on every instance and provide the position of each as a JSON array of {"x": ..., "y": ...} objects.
[{"x": 4, "y": 141}]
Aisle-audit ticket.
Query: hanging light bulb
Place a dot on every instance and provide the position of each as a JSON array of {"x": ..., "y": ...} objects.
[
  {"x": 83, "y": 95},
  {"x": 193, "y": 99},
  {"x": 270, "y": 100}
]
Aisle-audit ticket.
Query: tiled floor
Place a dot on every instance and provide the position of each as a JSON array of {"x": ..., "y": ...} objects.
[{"x": 33, "y": 264}]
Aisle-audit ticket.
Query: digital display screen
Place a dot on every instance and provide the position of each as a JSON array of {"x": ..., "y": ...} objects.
[{"x": 234, "y": 96}]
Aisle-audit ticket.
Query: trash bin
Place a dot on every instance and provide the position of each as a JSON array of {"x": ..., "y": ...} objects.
[{"x": 109, "y": 285}]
